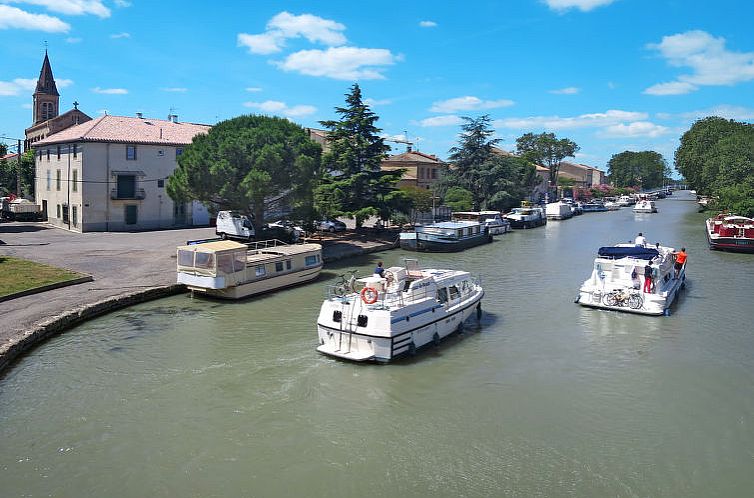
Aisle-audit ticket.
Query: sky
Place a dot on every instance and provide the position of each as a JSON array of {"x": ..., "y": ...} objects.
[{"x": 611, "y": 75}]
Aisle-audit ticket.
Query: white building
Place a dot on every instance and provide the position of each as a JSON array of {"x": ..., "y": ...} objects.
[{"x": 109, "y": 174}]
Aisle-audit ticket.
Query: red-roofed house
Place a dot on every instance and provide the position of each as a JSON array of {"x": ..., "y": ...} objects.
[
  {"x": 422, "y": 170},
  {"x": 109, "y": 174}
]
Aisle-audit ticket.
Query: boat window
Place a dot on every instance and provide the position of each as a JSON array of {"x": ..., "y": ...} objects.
[
  {"x": 260, "y": 271},
  {"x": 239, "y": 260},
  {"x": 454, "y": 293},
  {"x": 442, "y": 295},
  {"x": 185, "y": 258},
  {"x": 278, "y": 266},
  {"x": 204, "y": 260},
  {"x": 362, "y": 321},
  {"x": 311, "y": 260},
  {"x": 225, "y": 263},
  {"x": 288, "y": 264}
]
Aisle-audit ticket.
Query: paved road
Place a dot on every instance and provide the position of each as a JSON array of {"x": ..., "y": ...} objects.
[{"x": 120, "y": 262}]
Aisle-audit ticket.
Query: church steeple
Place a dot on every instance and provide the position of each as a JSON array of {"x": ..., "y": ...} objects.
[{"x": 46, "y": 96}]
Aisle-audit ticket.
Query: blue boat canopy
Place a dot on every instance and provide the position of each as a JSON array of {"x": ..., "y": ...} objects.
[{"x": 613, "y": 252}]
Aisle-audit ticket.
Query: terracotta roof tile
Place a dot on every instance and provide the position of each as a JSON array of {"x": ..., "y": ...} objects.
[{"x": 124, "y": 129}]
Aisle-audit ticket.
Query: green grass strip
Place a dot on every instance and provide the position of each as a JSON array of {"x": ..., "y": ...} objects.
[{"x": 17, "y": 275}]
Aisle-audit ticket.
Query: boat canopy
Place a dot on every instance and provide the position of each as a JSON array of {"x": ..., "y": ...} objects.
[{"x": 613, "y": 252}]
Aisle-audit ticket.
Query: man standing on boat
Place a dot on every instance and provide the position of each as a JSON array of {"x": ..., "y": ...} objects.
[
  {"x": 640, "y": 241},
  {"x": 680, "y": 259},
  {"x": 648, "y": 279}
]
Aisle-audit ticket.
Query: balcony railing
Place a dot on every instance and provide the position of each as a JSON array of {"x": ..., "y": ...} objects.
[{"x": 138, "y": 194}]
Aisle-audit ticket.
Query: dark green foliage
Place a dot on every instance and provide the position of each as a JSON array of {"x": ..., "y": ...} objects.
[
  {"x": 353, "y": 184},
  {"x": 716, "y": 156},
  {"x": 459, "y": 199},
  {"x": 9, "y": 174},
  {"x": 248, "y": 163},
  {"x": 546, "y": 149},
  {"x": 646, "y": 169},
  {"x": 495, "y": 181}
]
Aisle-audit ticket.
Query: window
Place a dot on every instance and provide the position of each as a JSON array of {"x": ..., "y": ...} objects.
[
  {"x": 288, "y": 264},
  {"x": 75, "y": 186},
  {"x": 58, "y": 151},
  {"x": 49, "y": 179},
  {"x": 48, "y": 154},
  {"x": 75, "y": 217},
  {"x": 204, "y": 260},
  {"x": 434, "y": 173},
  {"x": 178, "y": 152},
  {"x": 58, "y": 211},
  {"x": 185, "y": 258},
  {"x": 442, "y": 295},
  {"x": 454, "y": 294},
  {"x": 310, "y": 260},
  {"x": 57, "y": 180},
  {"x": 160, "y": 183},
  {"x": 130, "y": 152},
  {"x": 260, "y": 271},
  {"x": 65, "y": 213},
  {"x": 40, "y": 154},
  {"x": 126, "y": 187},
  {"x": 278, "y": 266},
  {"x": 75, "y": 150}
]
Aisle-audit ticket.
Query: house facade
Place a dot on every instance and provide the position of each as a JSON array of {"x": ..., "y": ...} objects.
[
  {"x": 422, "y": 170},
  {"x": 109, "y": 174}
]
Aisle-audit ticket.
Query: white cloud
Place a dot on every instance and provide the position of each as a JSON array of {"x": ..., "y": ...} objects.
[
  {"x": 724, "y": 111},
  {"x": 17, "y": 87},
  {"x": 11, "y": 17},
  {"x": 70, "y": 7},
  {"x": 377, "y": 102},
  {"x": 73, "y": 40},
  {"x": 340, "y": 63},
  {"x": 571, "y": 90},
  {"x": 110, "y": 91},
  {"x": 582, "y": 5},
  {"x": 635, "y": 129},
  {"x": 601, "y": 119},
  {"x": 175, "y": 89},
  {"x": 116, "y": 36},
  {"x": 26, "y": 106},
  {"x": 253, "y": 89},
  {"x": 62, "y": 83},
  {"x": 285, "y": 25},
  {"x": 447, "y": 120},
  {"x": 468, "y": 103},
  {"x": 281, "y": 108},
  {"x": 428, "y": 24},
  {"x": 710, "y": 62},
  {"x": 671, "y": 88}
]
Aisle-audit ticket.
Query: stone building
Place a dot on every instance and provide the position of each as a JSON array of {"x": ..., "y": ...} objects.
[{"x": 422, "y": 170}]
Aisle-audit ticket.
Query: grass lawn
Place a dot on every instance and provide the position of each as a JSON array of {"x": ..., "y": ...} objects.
[{"x": 18, "y": 275}]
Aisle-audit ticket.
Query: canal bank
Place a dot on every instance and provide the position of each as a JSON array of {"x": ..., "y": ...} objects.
[{"x": 127, "y": 268}]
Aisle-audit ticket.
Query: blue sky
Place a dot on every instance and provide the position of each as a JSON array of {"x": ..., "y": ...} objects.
[{"x": 612, "y": 75}]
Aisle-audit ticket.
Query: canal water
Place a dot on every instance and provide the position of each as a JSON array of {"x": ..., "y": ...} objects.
[{"x": 191, "y": 397}]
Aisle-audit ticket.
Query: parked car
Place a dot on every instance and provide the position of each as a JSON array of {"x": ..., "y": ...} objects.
[
  {"x": 290, "y": 225},
  {"x": 235, "y": 225},
  {"x": 330, "y": 226}
]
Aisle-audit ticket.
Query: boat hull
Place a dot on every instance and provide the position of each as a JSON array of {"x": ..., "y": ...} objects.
[
  {"x": 271, "y": 284},
  {"x": 527, "y": 223},
  {"x": 737, "y": 243},
  {"x": 423, "y": 244},
  {"x": 651, "y": 303}
]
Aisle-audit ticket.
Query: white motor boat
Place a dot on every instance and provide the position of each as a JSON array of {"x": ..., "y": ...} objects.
[
  {"x": 645, "y": 206},
  {"x": 612, "y": 205},
  {"x": 558, "y": 211},
  {"x": 526, "y": 216},
  {"x": 492, "y": 220},
  {"x": 617, "y": 279},
  {"x": 381, "y": 318},
  {"x": 626, "y": 200}
]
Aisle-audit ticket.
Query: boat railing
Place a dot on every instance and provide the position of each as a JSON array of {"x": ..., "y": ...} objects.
[{"x": 265, "y": 244}]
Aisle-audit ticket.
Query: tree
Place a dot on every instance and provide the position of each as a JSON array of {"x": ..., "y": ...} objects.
[
  {"x": 354, "y": 184},
  {"x": 247, "y": 163},
  {"x": 495, "y": 181},
  {"x": 418, "y": 200},
  {"x": 459, "y": 199},
  {"x": 547, "y": 150},
  {"x": 646, "y": 169},
  {"x": 9, "y": 174}
]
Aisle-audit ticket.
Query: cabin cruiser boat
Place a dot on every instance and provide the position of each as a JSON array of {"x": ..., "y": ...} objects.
[
  {"x": 593, "y": 206},
  {"x": 612, "y": 205},
  {"x": 492, "y": 220},
  {"x": 382, "y": 318},
  {"x": 558, "y": 211},
  {"x": 617, "y": 277},
  {"x": 626, "y": 200},
  {"x": 231, "y": 270},
  {"x": 526, "y": 216},
  {"x": 446, "y": 236},
  {"x": 728, "y": 232},
  {"x": 645, "y": 206}
]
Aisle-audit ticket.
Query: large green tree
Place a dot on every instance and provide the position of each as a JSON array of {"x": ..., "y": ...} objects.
[
  {"x": 495, "y": 181},
  {"x": 354, "y": 184},
  {"x": 546, "y": 149},
  {"x": 646, "y": 169},
  {"x": 9, "y": 174},
  {"x": 249, "y": 163}
]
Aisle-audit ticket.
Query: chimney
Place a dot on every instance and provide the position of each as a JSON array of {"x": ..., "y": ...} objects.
[
  {"x": 408, "y": 148},
  {"x": 140, "y": 115},
  {"x": 175, "y": 118}
]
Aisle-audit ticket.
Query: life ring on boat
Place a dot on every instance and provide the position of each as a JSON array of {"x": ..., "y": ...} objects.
[{"x": 369, "y": 295}]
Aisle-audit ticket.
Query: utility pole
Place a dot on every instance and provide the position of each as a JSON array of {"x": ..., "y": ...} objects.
[{"x": 18, "y": 168}]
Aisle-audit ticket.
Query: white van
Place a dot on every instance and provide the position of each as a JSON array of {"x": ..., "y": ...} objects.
[{"x": 234, "y": 225}]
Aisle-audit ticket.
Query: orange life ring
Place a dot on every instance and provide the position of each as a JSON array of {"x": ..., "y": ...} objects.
[{"x": 369, "y": 295}]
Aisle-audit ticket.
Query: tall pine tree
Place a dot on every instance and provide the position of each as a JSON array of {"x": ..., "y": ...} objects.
[{"x": 354, "y": 185}]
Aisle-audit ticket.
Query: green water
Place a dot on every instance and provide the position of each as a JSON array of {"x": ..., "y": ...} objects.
[{"x": 183, "y": 397}]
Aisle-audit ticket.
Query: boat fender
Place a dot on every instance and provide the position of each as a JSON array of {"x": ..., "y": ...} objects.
[
  {"x": 578, "y": 298},
  {"x": 436, "y": 339},
  {"x": 369, "y": 295},
  {"x": 479, "y": 311}
]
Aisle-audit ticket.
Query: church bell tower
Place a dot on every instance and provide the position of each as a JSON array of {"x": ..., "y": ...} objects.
[{"x": 46, "y": 96}]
